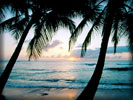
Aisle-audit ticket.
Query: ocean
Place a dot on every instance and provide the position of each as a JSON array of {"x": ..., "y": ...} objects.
[{"x": 68, "y": 74}]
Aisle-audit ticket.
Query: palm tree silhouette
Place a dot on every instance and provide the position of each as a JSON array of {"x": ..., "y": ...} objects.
[
  {"x": 13, "y": 25},
  {"x": 116, "y": 20},
  {"x": 45, "y": 19}
]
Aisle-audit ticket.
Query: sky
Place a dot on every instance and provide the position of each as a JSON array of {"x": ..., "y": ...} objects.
[{"x": 57, "y": 49}]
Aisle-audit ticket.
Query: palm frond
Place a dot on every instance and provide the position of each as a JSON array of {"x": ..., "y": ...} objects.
[
  {"x": 130, "y": 30},
  {"x": 36, "y": 44},
  {"x": 18, "y": 27},
  {"x": 4, "y": 5},
  {"x": 76, "y": 33},
  {"x": 87, "y": 40},
  {"x": 91, "y": 14},
  {"x": 44, "y": 31},
  {"x": 66, "y": 22},
  {"x": 7, "y": 23},
  {"x": 129, "y": 4},
  {"x": 53, "y": 22},
  {"x": 2, "y": 15},
  {"x": 115, "y": 38},
  {"x": 34, "y": 47},
  {"x": 19, "y": 7},
  {"x": 126, "y": 27}
]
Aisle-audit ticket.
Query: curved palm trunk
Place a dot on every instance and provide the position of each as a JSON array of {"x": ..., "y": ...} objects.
[
  {"x": 5, "y": 75},
  {"x": 91, "y": 88}
]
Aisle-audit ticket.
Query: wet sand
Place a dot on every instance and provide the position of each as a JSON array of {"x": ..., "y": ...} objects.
[{"x": 63, "y": 94}]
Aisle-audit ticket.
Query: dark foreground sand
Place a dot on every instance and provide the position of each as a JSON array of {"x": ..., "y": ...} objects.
[{"x": 62, "y": 94}]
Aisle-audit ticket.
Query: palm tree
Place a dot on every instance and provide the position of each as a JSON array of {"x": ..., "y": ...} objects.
[
  {"x": 93, "y": 14},
  {"x": 7, "y": 71},
  {"x": 45, "y": 19},
  {"x": 44, "y": 31},
  {"x": 17, "y": 21},
  {"x": 116, "y": 20}
]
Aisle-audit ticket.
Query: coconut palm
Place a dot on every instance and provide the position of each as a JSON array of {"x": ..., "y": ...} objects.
[
  {"x": 18, "y": 21},
  {"x": 93, "y": 14},
  {"x": 44, "y": 31},
  {"x": 42, "y": 41},
  {"x": 116, "y": 18},
  {"x": 44, "y": 18}
]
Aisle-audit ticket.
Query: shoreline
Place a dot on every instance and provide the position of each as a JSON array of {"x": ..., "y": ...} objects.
[{"x": 63, "y": 94}]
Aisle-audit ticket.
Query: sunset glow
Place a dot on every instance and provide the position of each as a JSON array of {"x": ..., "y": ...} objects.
[
  {"x": 73, "y": 59},
  {"x": 57, "y": 49}
]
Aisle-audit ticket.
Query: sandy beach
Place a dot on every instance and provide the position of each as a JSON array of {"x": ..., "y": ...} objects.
[{"x": 62, "y": 94}]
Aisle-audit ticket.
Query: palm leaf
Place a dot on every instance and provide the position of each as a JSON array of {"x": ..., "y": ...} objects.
[
  {"x": 87, "y": 40},
  {"x": 1, "y": 15},
  {"x": 20, "y": 7},
  {"x": 36, "y": 44},
  {"x": 91, "y": 15},
  {"x": 7, "y": 23},
  {"x": 4, "y": 5},
  {"x": 76, "y": 33},
  {"x": 129, "y": 34},
  {"x": 18, "y": 27},
  {"x": 126, "y": 27},
  {"x": 44, "y": 32},
  {"x": 115, "y": 38},
  {"x": 54, "y": 21}
]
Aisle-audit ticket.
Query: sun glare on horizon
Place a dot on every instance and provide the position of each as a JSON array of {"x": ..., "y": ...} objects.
[{"x": 73, "y": 59}]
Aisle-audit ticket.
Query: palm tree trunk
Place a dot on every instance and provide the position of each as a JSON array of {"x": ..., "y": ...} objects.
[
  {"x": 91, "y": 88},
  {"x": 5, "y": 75}
]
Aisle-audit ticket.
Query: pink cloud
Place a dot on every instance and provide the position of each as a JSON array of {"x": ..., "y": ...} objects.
[{"x": 53, "y": 45}]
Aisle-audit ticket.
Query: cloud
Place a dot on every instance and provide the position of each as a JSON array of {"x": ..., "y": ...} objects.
[
  {"x": 93, "y": 54},
  {"x": 61, "y": 48},
  {"x": 119, "y": 49},
  {"x": 89, "y": 54},
  {"x": 123, "y": 55},
  {"x": 53, "y": 45}
]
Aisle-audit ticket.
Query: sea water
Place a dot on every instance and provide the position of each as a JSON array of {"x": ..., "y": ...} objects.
[{"x": 68, "y": 74}]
